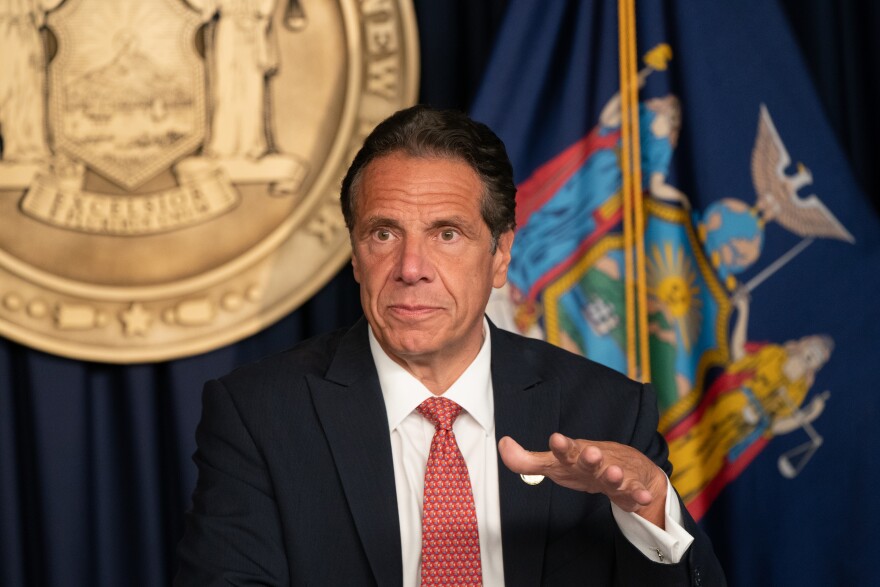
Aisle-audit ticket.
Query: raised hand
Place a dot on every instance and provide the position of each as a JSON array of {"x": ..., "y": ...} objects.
[{"x": 626, "y": 476}]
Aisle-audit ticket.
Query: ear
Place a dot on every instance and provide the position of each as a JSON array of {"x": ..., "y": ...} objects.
[{"x": 501, "y": 261}]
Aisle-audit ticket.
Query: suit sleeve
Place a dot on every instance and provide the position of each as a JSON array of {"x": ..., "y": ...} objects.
[
  {"x": 699, "y": 566},
  {"x": 233, "y": 534}
]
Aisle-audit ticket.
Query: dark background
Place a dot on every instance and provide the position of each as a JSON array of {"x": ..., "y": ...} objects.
[{"x": 95, "y": 459}]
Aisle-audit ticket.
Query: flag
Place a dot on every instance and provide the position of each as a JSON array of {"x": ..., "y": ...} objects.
[{"x": 746, "y": 289}]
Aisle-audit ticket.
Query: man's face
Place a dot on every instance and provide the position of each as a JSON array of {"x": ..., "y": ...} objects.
[{"x": 422, "y": 255}]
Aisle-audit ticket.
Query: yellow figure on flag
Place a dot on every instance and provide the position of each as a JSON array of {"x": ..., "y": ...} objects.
[{"x": 758, "y": 396}]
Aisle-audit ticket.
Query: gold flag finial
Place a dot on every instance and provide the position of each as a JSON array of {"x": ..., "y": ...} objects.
[{"x": 658, "y": 57}]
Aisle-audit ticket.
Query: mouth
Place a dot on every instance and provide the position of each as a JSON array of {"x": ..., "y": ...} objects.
[{"x": 412, "y": 311}]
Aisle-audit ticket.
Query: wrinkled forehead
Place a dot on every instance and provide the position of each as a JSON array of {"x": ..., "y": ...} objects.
[{"x": 401, "y": 173}]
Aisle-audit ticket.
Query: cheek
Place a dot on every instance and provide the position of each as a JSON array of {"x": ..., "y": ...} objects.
[
  {"x": 367, "y": 264},
  {"x": 374, "y": 278}
]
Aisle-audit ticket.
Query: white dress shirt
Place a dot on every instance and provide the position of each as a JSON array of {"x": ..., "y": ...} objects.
[{"x": 474, "y": 430}]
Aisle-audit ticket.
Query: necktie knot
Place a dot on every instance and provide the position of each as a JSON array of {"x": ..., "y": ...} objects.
[{"x": 440, "y": 411}]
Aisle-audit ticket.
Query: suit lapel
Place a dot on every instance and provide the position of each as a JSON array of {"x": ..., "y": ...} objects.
[
  {"x": 349, "y": 404},
  {"x": 527, "y": 410}
]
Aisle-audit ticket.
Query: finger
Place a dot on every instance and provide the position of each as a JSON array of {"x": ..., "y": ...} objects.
[
  {"x": 519, "y": 460},
  {"x": 611, "y": 476},
  {"x": 614, "y": 478},
  {"x": 592, "y": 457},
  {"x": 632, "y": 501},
  {"x": 630, "y": 489},
  {"x": 564, "y": 448},
  {"x": 643, "y": 496},
  {"x": 591, "y": 460}
]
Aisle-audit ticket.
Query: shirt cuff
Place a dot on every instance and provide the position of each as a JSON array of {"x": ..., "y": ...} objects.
[{"x": 662, "y": 546}]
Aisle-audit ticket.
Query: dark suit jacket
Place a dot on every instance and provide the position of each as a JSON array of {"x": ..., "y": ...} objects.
[{"x": 296, "y": 483}]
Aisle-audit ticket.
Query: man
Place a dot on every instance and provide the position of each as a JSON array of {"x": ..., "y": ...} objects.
[{"x": 318, "y": 466}]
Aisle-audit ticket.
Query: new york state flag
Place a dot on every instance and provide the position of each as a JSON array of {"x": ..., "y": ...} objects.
[{"x": 691, "y": 221}]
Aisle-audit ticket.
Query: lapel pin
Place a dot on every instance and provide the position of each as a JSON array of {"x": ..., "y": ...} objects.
[{"x": 531, "y": 479}]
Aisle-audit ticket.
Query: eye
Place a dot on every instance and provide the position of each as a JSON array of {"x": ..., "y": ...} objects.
[
  {"x": 448, "y": 235},
  {"x": 383, "y": 234}
]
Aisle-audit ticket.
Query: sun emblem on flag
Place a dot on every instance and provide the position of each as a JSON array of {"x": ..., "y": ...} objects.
[{"x": 672, "y": 281}]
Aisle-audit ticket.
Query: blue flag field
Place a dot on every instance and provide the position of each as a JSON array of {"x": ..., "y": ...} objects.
[{"x": 746, "y": 289}]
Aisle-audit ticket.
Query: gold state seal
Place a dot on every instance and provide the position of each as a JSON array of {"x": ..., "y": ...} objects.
[{"x": 170, "y": 169}]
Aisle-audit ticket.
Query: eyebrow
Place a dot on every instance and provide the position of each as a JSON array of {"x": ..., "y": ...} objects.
[
  {"x": 456, "y": 221},
  {"x": 374, "y": 221}
]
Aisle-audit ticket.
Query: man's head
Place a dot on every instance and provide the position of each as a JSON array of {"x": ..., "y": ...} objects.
[
  {"x": 423, "y": 132},
  {"x": 429, "y": 202}
]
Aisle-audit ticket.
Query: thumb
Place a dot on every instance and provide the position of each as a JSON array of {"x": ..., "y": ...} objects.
[{"x": 518, "y": 459}]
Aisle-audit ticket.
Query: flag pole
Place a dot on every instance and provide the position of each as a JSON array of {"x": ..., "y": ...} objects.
[{"x": 635, "y": 291}]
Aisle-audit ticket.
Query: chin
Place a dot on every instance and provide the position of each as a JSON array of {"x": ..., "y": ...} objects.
[
  {"x": 414, "y": 348},
  {"x": 413, "y": 344}
]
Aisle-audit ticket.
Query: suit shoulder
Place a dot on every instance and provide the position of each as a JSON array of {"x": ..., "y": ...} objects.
[
  {"x": 311, "y": 356},
  {"x": 551, "y": 361}
]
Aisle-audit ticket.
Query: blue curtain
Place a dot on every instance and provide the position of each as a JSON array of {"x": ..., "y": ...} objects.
[{"x": 95, "y": 459}]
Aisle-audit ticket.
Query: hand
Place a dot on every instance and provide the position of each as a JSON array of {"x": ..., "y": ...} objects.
[
  {"x": 629, "y": 478},
  {"x": 741, "y": 297}
]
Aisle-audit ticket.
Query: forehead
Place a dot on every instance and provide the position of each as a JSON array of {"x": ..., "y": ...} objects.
[{"x": 398, "y": 181}]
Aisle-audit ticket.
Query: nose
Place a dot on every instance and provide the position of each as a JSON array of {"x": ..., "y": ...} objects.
[{"x": 414, "y": 263}]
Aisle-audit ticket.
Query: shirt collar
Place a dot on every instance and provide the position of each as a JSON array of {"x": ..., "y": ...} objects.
[{"x": 403, "y": 392}]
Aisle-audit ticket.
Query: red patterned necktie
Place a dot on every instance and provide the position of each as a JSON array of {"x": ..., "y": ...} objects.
[{"x": 450, "y": 539}]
